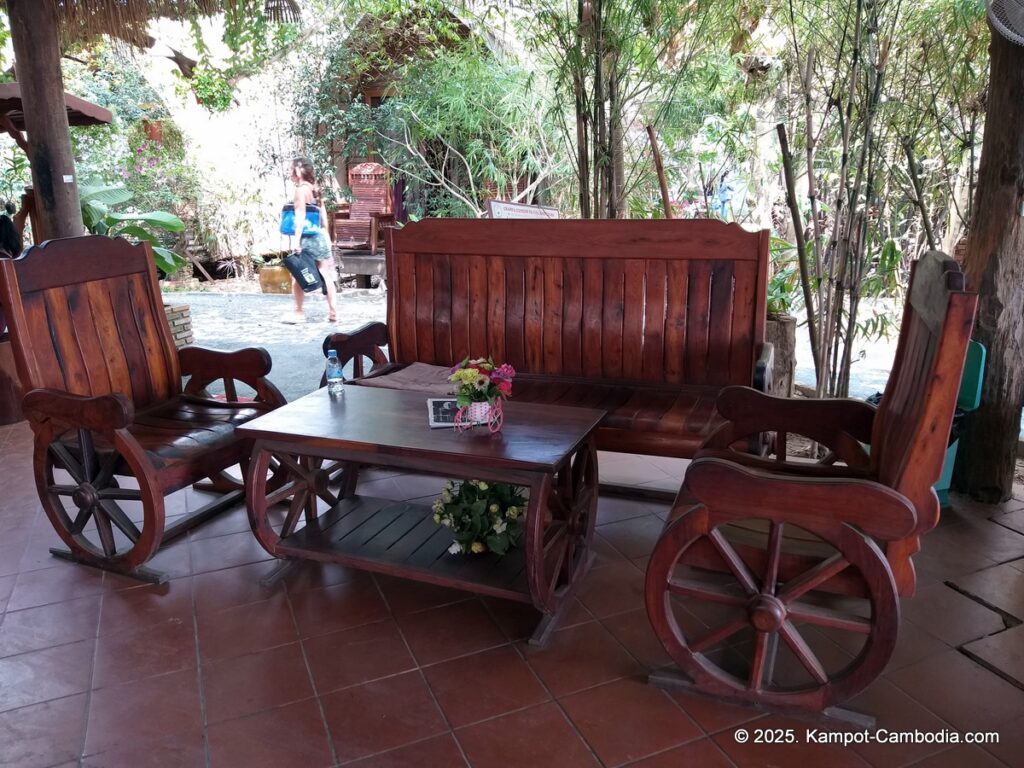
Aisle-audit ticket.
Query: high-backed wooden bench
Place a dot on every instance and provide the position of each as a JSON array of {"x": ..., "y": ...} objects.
[{"x": 647, "y": 320}]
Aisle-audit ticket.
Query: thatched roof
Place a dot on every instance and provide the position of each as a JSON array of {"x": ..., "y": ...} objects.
[{"x": 84, "y": 20}]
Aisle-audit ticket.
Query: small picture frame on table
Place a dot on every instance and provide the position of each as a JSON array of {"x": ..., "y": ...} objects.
[{"x": 441, "y": 411}]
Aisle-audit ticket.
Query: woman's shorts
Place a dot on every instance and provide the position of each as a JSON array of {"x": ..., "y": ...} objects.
[{"x": 316, "y": 246}]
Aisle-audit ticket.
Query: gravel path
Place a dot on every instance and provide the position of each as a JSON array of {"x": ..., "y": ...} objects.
[{"x": 234, "y": 320}]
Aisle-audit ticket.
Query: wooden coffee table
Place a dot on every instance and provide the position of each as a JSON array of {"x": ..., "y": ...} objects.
[{"x": 301, "y": 482}]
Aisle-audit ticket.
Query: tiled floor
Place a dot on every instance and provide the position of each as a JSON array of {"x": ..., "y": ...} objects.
[{"x": 334, "y": 666}]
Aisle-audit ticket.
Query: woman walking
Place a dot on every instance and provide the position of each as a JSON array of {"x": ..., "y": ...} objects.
[{"x": 313, "y": 241}]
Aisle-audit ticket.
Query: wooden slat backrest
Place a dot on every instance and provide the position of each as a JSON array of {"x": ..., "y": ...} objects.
[
  {"x": 916, "y": 412},
  {"x": 654, "y": 301},
  {"x": 86, "y": 318},
  {"x": 369, "y": 185}
]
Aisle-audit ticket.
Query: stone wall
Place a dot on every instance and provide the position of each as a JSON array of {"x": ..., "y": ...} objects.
[{"x": 179, "y": 318}]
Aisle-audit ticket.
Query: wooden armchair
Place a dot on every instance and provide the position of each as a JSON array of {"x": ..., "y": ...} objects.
[
  {"x": 370, "y": 208},
  {"x": 115, "y": 430},
  {"x": 777, "y": 581}
]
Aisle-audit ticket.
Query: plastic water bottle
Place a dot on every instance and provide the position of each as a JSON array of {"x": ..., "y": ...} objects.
[{"x": 335, "y": 378}]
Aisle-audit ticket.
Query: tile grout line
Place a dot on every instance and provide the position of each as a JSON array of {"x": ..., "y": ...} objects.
[
  {"x": 199, "y": 665},
  {"x": 92, "y": 673}
]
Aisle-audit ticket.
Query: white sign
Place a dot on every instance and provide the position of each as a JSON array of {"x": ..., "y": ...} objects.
[{"x": 501, "y": 209}]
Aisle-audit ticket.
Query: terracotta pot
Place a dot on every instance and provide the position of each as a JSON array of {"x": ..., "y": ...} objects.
[
  {"x": 153, "y": 129},
  {"x": 275, "y": 280}
]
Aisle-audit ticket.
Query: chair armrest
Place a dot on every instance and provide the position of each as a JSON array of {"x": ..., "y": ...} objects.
[
  {"x": 840, "y": 424},
  {"x": 728, "y": 489},
  {"x": 102, "y": 414},
  {"x": 249, "y": 366},
  {"x": 366, "y": 341},
  {"x": 252, "y": 362},
  {"x": 763, "y": 367}
]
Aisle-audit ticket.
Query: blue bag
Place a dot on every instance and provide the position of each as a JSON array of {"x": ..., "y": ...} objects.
[{"x": 310, "y": 226}]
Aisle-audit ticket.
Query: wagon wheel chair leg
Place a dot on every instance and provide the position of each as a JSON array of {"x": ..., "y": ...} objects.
[
  {"x": 78, "y": 487},
  {"x": 566, "y": 555},
  {"x": 770, "y": 608}
]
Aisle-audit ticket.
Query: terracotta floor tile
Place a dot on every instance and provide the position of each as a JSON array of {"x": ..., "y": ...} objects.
[
  {"x": 449, "y": 631},
  {"x": 147, "y": 607},
  {"x": 982, "y": 700},
  {"x": 519, "y": 620},
  {"x": 633, "y": 629},
  {"x": 950, "y": 616},
  {"x": 1012, "y": 520},
  {"x": 226, "y": 552},
  {"x": 604, "y": 553},
  {"x": 32, "y": 629},
  {"x": 44, "y": 734},
  {"x": 339, "y": 606},
  {"x": 894, "y": 711},
  {"x": 800, "y": 753},
  {"x": 309, "y": 574},
  {"x": 1011, "y": 742},
  {"x": 173, "y": 561},
  {"x": 254, "y": 682},
  {"x": 580, "y": 657},
  {"x": 64, "y": 581},
  {"x": 960, "y": 756},
  {"x": 6, "y": 587},
  {"x": 1000, "y": 586},
  {"x": 633, "y": 538},
  {"x": 231, "y": 587},
  {"x": 627, "y": 719},
  {"x": 438, "y": 752},
  {"x": 245, "y": 629},
  {"x": 126, "y": 656},
  {"x": 613, "y": 509},
  {"x": 699, "y": 754},
  {"x": 52, "y": 673},
  {"x": 539, "y": 737},
  {"x": 378, "y": 716},
  {"x": 232, "y": 521},
  {"x": 144, "y": 711},
  {"x": 714, "y": 715},
  {"x": 1003, "y": 651},
  {"x": 611, "y": 590},
  {"x": 473, "y": 688},
  {"x": 292, "y": 736},
  {"x": 177, "y": 750},
  {"x": 913, "y": 644},
  {"x": 406, "y": 596},
  {"x": 353, "y": 656}
]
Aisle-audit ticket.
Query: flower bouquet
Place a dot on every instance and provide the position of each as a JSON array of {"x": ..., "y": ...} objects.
[
  {"x": 483, "y": 516},
  {"x": 481, "y": 387}
]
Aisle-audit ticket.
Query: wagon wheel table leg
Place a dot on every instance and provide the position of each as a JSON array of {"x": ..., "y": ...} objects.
[
  {"x": 274, "y": 478},
  {"x": 757, "y": 617},
  {"x": 560, "y": 528}
]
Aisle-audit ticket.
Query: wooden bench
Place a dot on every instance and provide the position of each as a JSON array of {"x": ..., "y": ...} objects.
[
  {"x": 647, "y": 320},
  {"x": 777, "y": 581},
  {"x": 114, "y": 428}
]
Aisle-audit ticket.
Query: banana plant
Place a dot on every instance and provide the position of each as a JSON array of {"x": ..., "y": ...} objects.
[{"x": 97, "y": 202}]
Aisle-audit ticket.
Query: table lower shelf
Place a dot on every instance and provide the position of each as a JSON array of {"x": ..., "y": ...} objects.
[{"x": 401, "y": 539}]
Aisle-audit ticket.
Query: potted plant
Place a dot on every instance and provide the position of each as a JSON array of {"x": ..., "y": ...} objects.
[
  {"x": 483, "y": 517},
  {"x": 274, "y": 277},
  {"x": 481, "y": 388},
  {"x": 780, "y": 329}
]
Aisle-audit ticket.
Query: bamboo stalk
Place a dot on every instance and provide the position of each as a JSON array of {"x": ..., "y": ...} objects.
[{"x": 660, "y": 170}]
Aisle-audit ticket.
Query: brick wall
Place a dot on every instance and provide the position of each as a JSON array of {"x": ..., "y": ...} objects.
[{"x": 179, "y": 318}]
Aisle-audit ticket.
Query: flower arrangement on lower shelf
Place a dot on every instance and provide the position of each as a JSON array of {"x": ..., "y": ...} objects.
[
  {"x": 483, "y": 517},
  {"x": 481, "y": 387}
]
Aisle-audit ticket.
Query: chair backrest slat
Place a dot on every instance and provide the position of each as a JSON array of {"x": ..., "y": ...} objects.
[
  {"x": 86, "y": 318},
  {"x": 916, "y": 412}
]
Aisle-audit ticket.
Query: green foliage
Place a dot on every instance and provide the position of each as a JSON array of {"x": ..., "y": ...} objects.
[
  {"x": 482, "y": 516},
  {"x": 100, "y": 219},
  {"x": 15, "y": 173},
  {"x": 211, "y": 88}
]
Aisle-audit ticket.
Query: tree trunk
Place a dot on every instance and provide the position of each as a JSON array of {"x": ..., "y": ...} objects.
[
  {"x": 37, "y": 64},
  {"x": 995, "y": 268}
]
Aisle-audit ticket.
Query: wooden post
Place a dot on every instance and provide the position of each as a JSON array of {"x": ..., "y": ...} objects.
[
  {"x": 660, "y": 170},
  {"x": 994, "y": 265},
  {"x": 34, "y": 34}
]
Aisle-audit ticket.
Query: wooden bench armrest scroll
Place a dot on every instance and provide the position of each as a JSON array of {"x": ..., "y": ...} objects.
[
  {"x": 842, "y": 425},
  {"x": 732, "y": 490},
  {"x": 250, "y": 366},
  {"x": 367, "y": 341},
  {"x": 376, "y": 220},
  {"x": 102, "y": 414}
]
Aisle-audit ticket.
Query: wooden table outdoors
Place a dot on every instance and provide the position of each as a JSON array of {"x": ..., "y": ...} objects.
[{"x": 306, "y": 458}]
